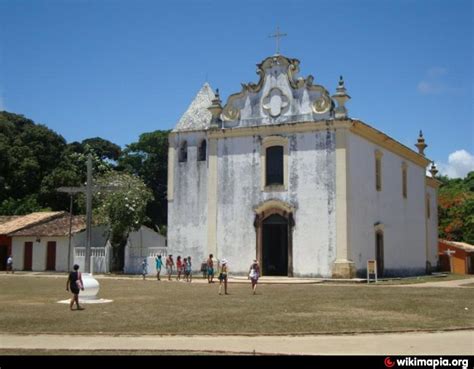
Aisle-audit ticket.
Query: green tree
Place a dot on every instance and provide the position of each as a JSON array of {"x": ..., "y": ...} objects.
[
  {"x": 28, "y": 153},
  {"x": 123, "y": 209},
  {"x": 104, "y": 149},
  {"x": 148, "y": 159},
  {"x": 456, "y": 208}
]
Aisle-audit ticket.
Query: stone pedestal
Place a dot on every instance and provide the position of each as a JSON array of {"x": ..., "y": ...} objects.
[
  {"x": 91, "y": 287},
  {"x": 343, "y": 269}
]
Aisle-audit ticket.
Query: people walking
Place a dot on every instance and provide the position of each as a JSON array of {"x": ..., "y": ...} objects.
[
  {"x": 10, "y": 264},
  {"x": 169, "y": 266},
  {"x": 254, "y": 274},
  {"x": 159, "y": 264},
  {"x": 179, "y": 267},
  {"x": 188, "y": 272},
  {"x": 210, "y": 269},
  {"x": 74, "y": 284},
  {"x": 144, "y": 268},
  {"x": 223, "y": 273}
]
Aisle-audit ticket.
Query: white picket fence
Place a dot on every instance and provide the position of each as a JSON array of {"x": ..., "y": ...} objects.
[{"x": 100, "y": 258}]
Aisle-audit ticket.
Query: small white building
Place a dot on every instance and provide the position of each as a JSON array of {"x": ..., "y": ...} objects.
[
  {"x": 101, "y": 254},
  {"x": 44, "y": 246},
  {"x": 282, "y": 174},
  {"x": 143, "y": 244}
]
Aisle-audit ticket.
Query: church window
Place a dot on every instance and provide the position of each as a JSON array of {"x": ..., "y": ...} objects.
[
  {"x": 202, "y": 151},
  {"x": 428, "y": 207},
  {"x": 183, "y": 152},
  {"x": 378, "y": 170},
  {"x": 404, "y": 181},
  {"x": 274, "y": 165}
]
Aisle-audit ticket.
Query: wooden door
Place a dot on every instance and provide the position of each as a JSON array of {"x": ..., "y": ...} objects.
[
  {"x": 3, "y": 257},
  {"x": 51, "y": 256},
  {"x": 28, "y": 256}
]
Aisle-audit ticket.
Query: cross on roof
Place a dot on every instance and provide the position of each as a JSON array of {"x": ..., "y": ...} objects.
[{"x": 277, "y": 35}]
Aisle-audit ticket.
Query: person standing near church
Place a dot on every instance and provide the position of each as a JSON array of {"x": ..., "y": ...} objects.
[
  {"x": 10, "y": 264},
  {"x": 159, "y": 264},
  {"x": 210, "y": 269},
  {"x": 223, "y": 273},
  {"x": 254, "y": 274},
  {"x": 144, "y": 268},
  {"x": 169, "y": 266}
]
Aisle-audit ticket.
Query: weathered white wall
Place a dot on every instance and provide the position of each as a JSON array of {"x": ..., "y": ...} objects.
[
  {"x": 433, "y": 226},
  {"x": 403, "y": 219},
  {"x": 187, "y": 212},
  {"x": 311, "y": 189},
  {"x": 39, "y": 252}
]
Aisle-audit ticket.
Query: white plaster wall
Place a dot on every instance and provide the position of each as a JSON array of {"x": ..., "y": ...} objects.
[
  {"x": 433, "y": 226},
  {"x": 403, "y": 219},
  {"x": 39, "y": 252},
  {"x": 310, "y": 190},
  {"x": 187, "y": 212}
]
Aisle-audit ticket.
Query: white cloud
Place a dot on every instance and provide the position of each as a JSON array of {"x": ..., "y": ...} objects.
[
  {"x": 459, "y": 164},
  {"x": 434, "y": 84}
]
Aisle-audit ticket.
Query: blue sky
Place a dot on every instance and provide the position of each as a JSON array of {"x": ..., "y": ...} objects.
[{"x": 118, "y": 68}]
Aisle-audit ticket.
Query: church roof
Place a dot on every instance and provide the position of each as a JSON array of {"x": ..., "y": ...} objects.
[
  {"x": 21, "y": 222},
  {"x": 197, "y": 116}
]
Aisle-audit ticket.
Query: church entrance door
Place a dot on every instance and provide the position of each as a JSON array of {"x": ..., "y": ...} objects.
[{"x": 275, "y": 246}]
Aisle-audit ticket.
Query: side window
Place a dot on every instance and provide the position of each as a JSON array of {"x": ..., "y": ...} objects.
[
  {"x": 202, "y": 151},
  {"x": 378, "y": 170},
  {"x": 404, "y": 181},
  {"x": 183, "y": 152},
  {"x": 274, "y": 165}
]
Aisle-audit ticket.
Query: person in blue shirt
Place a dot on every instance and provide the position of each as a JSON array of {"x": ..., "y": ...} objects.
[
  {"x": 159, "y": 264},
  {"x": 144, "y": 268}
]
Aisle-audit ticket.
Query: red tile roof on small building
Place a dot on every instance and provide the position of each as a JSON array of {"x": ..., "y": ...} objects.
[
  {"x": 21, "y": 222},
  {"x": 58, "y": 227},
  {"x": 460, "y": 245}
]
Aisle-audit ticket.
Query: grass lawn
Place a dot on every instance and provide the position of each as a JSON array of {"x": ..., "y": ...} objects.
[
  {"x": 424, "y": 279},
  {"x": 151, "y": 307}
]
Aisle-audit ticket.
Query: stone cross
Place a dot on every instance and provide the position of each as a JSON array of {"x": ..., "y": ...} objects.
[
  {"x": 88, "y": 190},
  {"x": 277, "y": 35}
]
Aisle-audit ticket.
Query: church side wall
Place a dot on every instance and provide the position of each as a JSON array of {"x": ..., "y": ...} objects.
[
  {"x": 187, "y": 212},
  {"x": 402, "y": 220},
  {"x": 311, "y": 191},
  {"x": 433, "y": 226}
]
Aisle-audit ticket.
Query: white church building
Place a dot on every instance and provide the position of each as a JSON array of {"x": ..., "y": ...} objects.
[{"x": 282, "y": 174}]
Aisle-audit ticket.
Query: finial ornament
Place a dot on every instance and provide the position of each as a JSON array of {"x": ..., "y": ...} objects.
[
  {"x": 341, "y": 97},
  {"x": 216, "y": 109},
  {"x": 433, "y": 170},
  {"x": 421, "y": 146}
]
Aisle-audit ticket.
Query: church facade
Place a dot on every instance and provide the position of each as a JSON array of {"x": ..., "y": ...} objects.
[{"x": 283, "y": 175}]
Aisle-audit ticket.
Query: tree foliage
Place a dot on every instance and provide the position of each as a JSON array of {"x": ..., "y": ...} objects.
[
  {"x": 122, "y": 207},
  {"x": 148, "y": 159},
  {"x": 456, "y": 208}
]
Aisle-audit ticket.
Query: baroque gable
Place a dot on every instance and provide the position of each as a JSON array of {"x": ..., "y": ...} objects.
[{"x": 280, "y": 96}]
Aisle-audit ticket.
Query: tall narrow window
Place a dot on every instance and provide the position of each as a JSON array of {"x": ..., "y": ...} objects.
[
  {"x": 378, "y": 170},
  {"x": 428, "y": 206},
  {"x": 274, "y": 165},
  {"x": 404, "y": 180},
  {"x": 202, "y": 151},
  {"x": 379, "y": 254},
  {"x": 183, "y": 152}
]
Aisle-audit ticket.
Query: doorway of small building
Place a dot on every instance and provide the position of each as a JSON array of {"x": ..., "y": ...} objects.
[
  {"x": 28, "y": 256},
  {"x": 3, "y": 257},
  {"x": 51, "y": 256},
  {"x": 275, "y": 246},
  {"x": 379, "y": 253}
]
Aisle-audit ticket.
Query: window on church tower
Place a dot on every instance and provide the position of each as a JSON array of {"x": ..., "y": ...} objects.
[
  {"x": 428, "y": 207},
  {"x": 378, "y": 171},
  {"x": 202, "y": 151},
  {"x": 404, "y": 181},
  {"x": 274, "y": 165},
  {"x": 183, "y": 152}
]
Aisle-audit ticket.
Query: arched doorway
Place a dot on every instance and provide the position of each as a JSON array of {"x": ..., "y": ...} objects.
[
  {"x": 274, "y": 224},
  {"x": 275, "y": 245}
]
